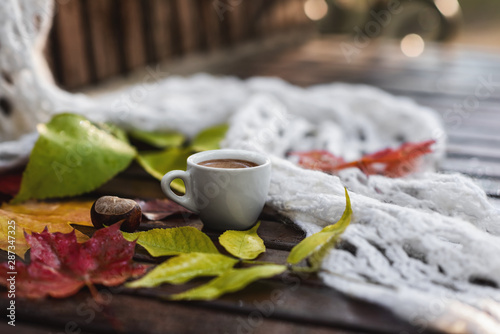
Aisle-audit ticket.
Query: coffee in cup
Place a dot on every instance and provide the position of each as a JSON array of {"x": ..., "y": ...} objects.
[
  {"x": 228, "y": 163},
  {"x": 226, "y": 188}
]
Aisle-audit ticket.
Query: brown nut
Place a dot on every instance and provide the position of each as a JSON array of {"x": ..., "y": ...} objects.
[{"x": 109, "y": 210}]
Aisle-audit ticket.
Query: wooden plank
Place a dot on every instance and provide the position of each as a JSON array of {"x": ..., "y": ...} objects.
[
  {"x": 47, "y": 52},
  {"x": 53, "y": 56},
  {"x": 436, "y": 59},
  {"x": 263, "y": 21},
  {"x": 176, "y": 32},
  {"x": 26, "y": 328},
  {"x": 273, "y": 12},
  {"x": 486, "y": 153},
  {"x": 465, "y": 137},
  {"x": 472, "y": 167},
  {"x": 189, "y": 24},
  {"x": 225, "y": 29},
  {"x": 160, "y": 15},
  {"x": 302, "y": 17},
  {"x": 287, "y": 299},
  {"x": 383, "y": 72},
  {"x": 149, "y": 18},
  {"x": 478, "y": 120},
  {"x": 130, "y": 314},
  {"x": 155, "y": 24},
  {"x": 289, "y": 13},
  {"x": 237, "y": 16},
  {"x": 71, "y": 35},
  {"x": 132, "y": 28},
  {"x": 443, "y": 103},
  {"x": 104, "y": 38},
  {"x": 282, "y": 15},
  {"x": 212, "y": 19},
  {"x": 201, "y": 27}
]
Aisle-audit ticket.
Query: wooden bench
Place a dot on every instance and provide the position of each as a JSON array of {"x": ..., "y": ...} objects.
[{"x": 96, "y": 40}]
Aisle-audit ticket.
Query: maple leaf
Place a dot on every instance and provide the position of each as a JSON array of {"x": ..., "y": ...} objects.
[
  {"x": 389, "y": 162},
  {"x": 36, "y": 216},
  {"x": 60, "y": 266},
  {"x": 318, "y": 160}
]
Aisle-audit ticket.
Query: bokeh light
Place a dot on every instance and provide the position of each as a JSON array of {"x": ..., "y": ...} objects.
[
  {"x": 448, "y": 7},
  {"x": 412, "y": 45},
  {"x": 316, "y": 9}
]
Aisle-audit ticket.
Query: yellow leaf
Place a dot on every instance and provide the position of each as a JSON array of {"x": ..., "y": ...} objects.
[
  {"x": 316, "y": 246},
  {"x": 183, "y": 268},
  {"x": 173, "y": 241},
  {"x": 246, "y": 245},
  {"x": 74, "y": 212},
  {"x": 230, "y": 281},
  {"x": 35, "y": 216}
]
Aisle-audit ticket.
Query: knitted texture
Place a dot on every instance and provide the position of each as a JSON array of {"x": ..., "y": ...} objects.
[{"x": 425, "y": 246}]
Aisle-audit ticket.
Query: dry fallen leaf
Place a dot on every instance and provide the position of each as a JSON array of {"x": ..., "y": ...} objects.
[
  {"x": 35, "y": 216},
  {"x": 157, "y": 209},
  {"x": 389, "y": 162}
]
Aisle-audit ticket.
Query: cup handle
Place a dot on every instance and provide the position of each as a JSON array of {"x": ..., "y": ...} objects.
[{"x": 187, "y": 200}]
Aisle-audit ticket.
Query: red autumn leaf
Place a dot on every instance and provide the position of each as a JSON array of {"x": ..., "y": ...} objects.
[
  {"x": 60, "y": 266},
  {"x": 10, "y": 183},
  {"x": 157, "y": 209},
  {"x": 389, "y": 162},
  {"x": 318, "y": 160}
]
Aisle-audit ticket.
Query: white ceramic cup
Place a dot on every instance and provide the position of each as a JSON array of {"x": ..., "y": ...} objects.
[{"x": 224, "y": 198}]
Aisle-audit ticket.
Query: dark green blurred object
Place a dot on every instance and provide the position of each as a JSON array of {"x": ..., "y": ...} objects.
[{"x": 437, "y": 20}]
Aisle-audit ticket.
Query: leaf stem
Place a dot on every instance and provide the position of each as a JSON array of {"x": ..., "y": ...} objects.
[{"x": 95, "y": 294}]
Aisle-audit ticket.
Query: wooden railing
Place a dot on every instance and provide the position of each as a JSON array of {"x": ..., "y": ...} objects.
[{"x": 92, "y": 40}]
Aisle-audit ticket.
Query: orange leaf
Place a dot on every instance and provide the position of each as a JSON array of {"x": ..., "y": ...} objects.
[
  {"x": 389, "y": 162},
  {"x": 35, "y": 216}
]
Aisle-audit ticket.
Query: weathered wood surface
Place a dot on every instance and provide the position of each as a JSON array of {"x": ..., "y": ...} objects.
[
  {"x": 92, "y": 41},
  {"x": 439, "y": 79},
  {"x": 285, "y": 304}
]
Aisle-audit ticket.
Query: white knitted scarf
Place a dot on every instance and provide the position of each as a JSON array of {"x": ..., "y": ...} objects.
[{"x": 425, "y": 246}]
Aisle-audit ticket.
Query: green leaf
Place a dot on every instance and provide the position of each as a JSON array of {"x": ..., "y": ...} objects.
[
  {"x": 114, "y": 131},
  {"x": 72, "y": 156},
  {"x": 246, "y": 245},
  {"x": 317, "y": 245},
  {"x": 159, "y": 163},
  {"x": 185, "y": 267},
  {"x": 159, "y": 139},
  {"x": 210, "y": 138},
  {"x": 231, "y": 281},
  {"x": 173, "y": 241}
]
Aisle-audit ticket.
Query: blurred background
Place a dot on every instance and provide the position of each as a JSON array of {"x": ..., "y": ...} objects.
[
  {"x": 94, "y": 41},
  {"x": 463, "y": 21},
  {"x": 481, "y": 23}
]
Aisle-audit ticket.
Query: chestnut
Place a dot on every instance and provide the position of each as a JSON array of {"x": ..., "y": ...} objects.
[{"x": 109, "y": 210}]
